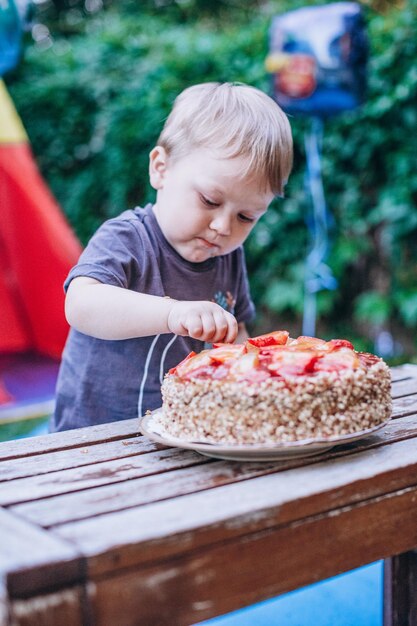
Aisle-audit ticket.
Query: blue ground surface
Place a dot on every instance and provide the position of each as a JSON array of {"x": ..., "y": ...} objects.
[{"x": 352, "y": 599}]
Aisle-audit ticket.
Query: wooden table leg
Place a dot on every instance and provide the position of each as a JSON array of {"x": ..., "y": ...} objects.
[{"x": 400, "y": 590}]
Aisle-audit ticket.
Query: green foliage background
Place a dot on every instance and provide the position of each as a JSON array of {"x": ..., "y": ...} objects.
[{"x": 98, "y": 81}]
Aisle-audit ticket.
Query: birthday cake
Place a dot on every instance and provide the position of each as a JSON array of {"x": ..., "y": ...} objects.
[{"x": 275, "y": 389}]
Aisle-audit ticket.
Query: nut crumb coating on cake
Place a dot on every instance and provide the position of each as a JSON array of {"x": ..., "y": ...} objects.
[{"x": 317, "y": 406}]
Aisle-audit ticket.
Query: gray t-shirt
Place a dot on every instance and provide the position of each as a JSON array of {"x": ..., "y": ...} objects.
[{"x": 104, "y": 380}]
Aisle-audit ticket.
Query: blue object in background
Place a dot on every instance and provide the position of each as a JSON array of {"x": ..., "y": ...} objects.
[
  {"x": 352, "y": 599},
  {"x": 317, "y": 56},
  {"x": 10, "y": 36},
  {"x": 317, "y": 59}
]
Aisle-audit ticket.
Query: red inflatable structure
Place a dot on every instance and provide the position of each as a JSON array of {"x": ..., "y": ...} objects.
[
  {"x": 37, "y": 247},
  {"x": 37, "y": 250}
]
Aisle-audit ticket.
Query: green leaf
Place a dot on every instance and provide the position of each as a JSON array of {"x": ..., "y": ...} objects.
[{"x": 372, "y": 307}]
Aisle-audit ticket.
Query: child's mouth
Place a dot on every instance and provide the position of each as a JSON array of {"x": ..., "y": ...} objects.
[{"x": 206, "y": 243}]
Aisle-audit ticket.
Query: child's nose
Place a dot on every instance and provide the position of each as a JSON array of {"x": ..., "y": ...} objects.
[{"x": 221, "y": 224}]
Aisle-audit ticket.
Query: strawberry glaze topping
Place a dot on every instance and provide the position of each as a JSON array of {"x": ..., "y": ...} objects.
[{"x": 274, "y": 355}]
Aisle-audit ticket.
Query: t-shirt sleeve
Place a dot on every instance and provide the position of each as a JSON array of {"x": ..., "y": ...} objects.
[
  {"x": 112, "y": 256},
  {"x": 244, "y": 307}
]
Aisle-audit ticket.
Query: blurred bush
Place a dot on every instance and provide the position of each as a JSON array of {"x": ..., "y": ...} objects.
[{"x": 99, "y": 79}]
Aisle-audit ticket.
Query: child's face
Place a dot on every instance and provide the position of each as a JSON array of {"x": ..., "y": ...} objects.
[{"x": 204, "y": 207}]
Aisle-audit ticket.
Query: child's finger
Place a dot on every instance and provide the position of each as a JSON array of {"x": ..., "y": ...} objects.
[
  {"x": 232, "y": 329},
  {"x": 209, "y": 326},
  {"x": 221, "y": 326},
  {"x": 195, "y": 326}
]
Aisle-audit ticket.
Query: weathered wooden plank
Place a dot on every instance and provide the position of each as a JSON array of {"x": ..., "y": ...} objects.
[
  {"x": 79, "y": 437},
  {"x": 32, "y": 559},
  {"x": 204, "y": 583},
  {"x": 404, "y": 387},
  {"x": 134, "y": 492},
  {"x": 399, "y": 372},
  {"x": 81, "y": 505},
  {"x": 75, "y": 457},
  {"x": 63, "y": 608},
  {"x": 87, "y": 476},
  {"x": 400, "y": 585},
  {"x": 170, "y": 527},
  {"x": 406, "y": 405},
  {"x": 402, "y": 427}
]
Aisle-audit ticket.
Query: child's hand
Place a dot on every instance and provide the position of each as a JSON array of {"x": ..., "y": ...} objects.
[{"x": 202, "y": 320}]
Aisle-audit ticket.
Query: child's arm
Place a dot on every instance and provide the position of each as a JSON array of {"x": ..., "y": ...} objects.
[{"x": 109, "y": 312}]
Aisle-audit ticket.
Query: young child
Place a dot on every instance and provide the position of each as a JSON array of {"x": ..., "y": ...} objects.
[{"x": 159, "y": 281}]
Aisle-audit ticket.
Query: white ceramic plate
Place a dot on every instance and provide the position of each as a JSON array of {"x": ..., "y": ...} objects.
[{"x": 152, "y": 427}]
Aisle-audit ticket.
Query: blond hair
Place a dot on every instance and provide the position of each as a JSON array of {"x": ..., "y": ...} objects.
[{"x": 237, "y": 119}]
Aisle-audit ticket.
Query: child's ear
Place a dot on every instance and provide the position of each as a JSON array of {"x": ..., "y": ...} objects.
[{"x": 157, "y": 166}]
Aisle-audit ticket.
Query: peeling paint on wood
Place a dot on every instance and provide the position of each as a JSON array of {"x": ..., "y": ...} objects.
[{"x": 63, "y": 608}]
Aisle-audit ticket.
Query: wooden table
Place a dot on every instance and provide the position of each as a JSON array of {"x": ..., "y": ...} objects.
[{"x": 101, "y": 526}]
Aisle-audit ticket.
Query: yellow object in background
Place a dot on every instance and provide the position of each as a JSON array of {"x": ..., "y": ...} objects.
[
  {"x": 11, "y": 128},
  {"x": 276, "y": 61}
]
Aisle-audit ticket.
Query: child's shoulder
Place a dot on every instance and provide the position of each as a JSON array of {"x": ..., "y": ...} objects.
[
  {"x": 126, "y": 226},
  {"x": 136, "y": 219},
  {"x": 136, "y": 214}
]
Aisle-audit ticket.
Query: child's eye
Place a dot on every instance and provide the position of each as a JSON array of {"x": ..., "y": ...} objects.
[
  {"x": 245, "y": 218},
  {"x": 208, "y": 202}
]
